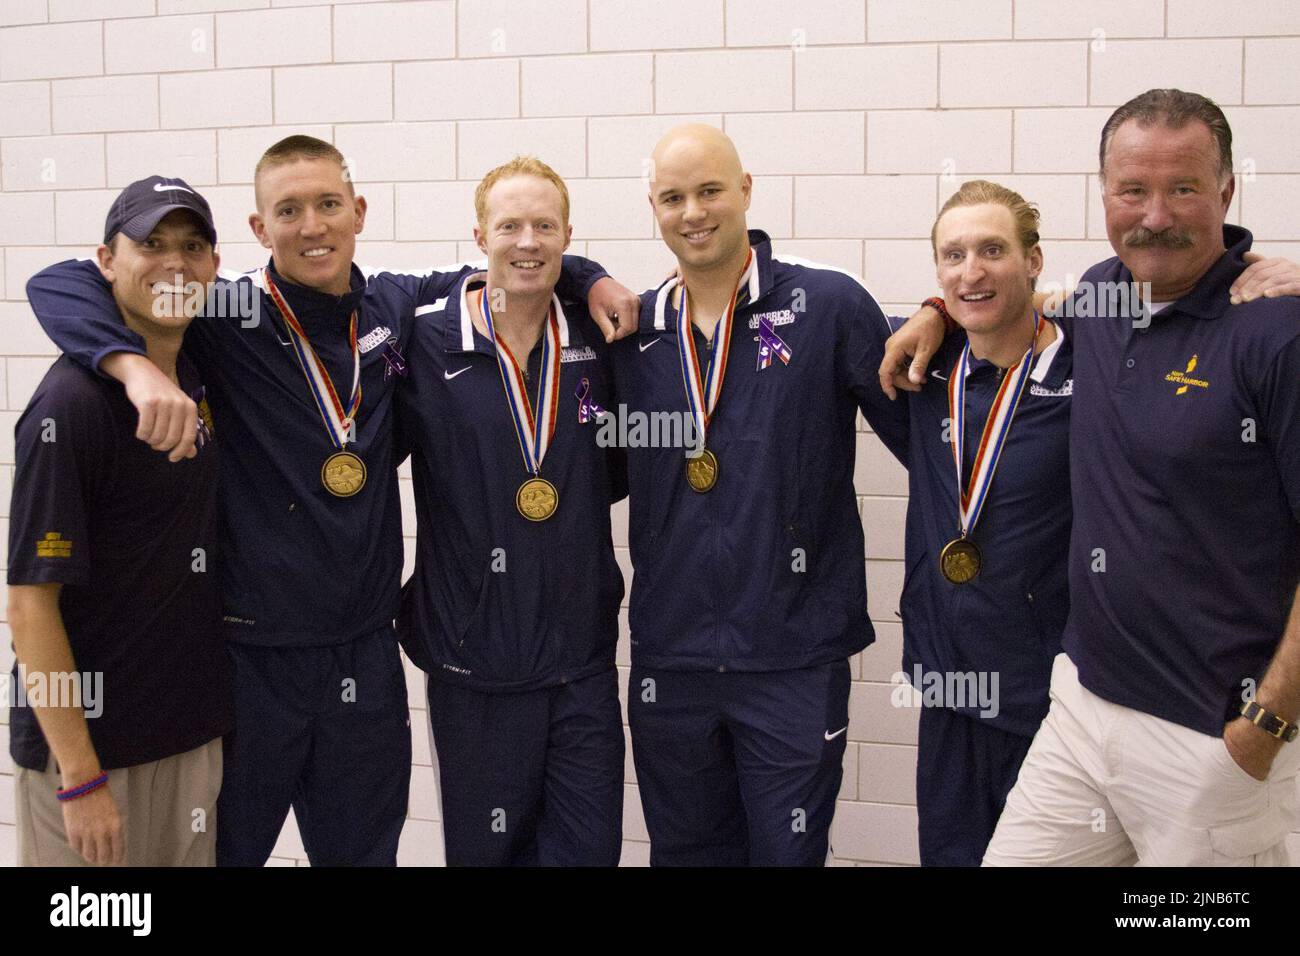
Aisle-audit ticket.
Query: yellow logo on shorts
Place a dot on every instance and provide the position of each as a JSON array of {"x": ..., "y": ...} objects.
[
  {"x": 1183, "y": 379},
  {"x": 53, "y": 545}
]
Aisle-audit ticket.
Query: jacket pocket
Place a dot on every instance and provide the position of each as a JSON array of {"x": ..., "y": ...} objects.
[
  {"x": 475, "y": 616},
  {"x": 910, "y": 578}
]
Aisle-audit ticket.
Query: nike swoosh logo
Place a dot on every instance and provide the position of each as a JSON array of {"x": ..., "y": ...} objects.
[
  {"x": 162, "y": 188},
  {"x": 942, "y": 378},
  {"x": 450, "y": 375},
  {"x": 645, "y": 345},
  {"x": 832, "y": 736}
]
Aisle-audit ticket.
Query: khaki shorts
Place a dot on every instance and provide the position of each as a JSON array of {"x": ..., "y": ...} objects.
[{"x": 168, "y": 810}]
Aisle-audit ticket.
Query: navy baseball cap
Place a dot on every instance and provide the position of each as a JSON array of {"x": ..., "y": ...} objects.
[{"x": 139, "y": 207}]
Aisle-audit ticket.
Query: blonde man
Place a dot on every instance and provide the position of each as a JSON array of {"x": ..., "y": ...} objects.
[
  {"x": 984, "y": 598},
  {"x": 513, "y": 607}
]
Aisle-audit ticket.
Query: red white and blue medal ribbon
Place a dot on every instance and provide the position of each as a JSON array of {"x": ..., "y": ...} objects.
[
  {"x": 704, "y": 390},
  {"x": 972, "y": 496},
  {"x": 337, "y": 417},
  {"x": 534, "y": 426}
]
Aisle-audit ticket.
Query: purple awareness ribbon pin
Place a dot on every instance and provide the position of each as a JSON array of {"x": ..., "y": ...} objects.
[
  {"x": 770, "y": 344},
  {"x": 394, "y": 360},
  {"x": 587, "y": 409}
]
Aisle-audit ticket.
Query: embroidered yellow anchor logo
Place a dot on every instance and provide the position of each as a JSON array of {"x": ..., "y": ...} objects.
[{"x": 1183, "y": 379}]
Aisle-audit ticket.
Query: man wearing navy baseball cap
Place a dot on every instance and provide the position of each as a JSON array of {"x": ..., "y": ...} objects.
[
  {"x": 139, "y": 208},
  {"x": 122, "y": 676}
]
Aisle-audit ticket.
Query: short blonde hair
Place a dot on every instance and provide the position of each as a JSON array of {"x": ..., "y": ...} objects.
[
  {"x": 978, "y": 192},
  {"x": 519, "y": 166},
  {"x": 299, "y": 146}
]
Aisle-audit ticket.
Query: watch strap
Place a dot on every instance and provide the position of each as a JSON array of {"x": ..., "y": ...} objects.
[{"x": 1269, "y": 722}]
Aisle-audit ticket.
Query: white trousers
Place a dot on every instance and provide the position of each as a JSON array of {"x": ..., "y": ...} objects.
[{"x": 1106, "y": 785}]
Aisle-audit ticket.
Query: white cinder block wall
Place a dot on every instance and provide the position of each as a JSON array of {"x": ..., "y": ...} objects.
[{"x": 857, "y": 118}]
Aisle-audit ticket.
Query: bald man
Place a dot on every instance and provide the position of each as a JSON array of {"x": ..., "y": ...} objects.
[{"x": 749, "y": 593}]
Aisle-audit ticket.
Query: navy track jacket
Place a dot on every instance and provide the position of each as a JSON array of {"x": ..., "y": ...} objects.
[{"x": 767, "y": 570}]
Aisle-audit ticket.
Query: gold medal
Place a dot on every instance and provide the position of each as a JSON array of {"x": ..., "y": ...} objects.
[
  {"x": 537, "y": 499},
  {"x": 960, "y": 560},
  {"x": 534, "y": 423},
  {"x": 343, "y": 474},
  {"x": 704, "y": 390},
  {"x": 702, "y": 472}
]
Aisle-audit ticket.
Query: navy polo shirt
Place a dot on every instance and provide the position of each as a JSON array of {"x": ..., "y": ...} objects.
[
  {"x": 1185, "y": 468},
  {"x": 1007, "y": 621},
  {"x": 767, "y": 570},
  {"x": 301, "y": 566},
  {"x": 498, "y": 602},
  {"x": 133, "y": 540}
]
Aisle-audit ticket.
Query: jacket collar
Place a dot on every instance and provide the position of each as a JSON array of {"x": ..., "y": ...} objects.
[
  {"x": 317, "y": 311},
  {"x": 1047, "y": 370},
  {"x": 457, "y": 323},
  {"x": 755, "y": 283}
]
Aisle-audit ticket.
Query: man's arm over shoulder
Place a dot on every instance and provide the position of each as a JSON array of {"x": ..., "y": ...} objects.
[
  {"x": 612, "y": 307},
  {"x": 577, "y": 277},
  {"x": 422, "y": 287},
  {"x": 74, "y": 304},
  {"x": 426, "y": 287}
]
